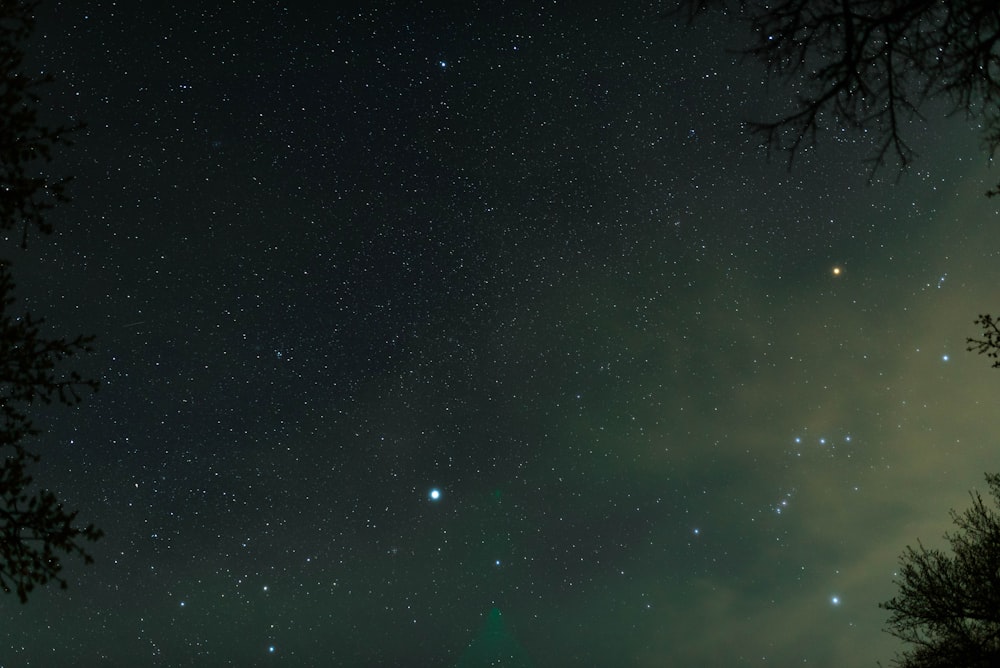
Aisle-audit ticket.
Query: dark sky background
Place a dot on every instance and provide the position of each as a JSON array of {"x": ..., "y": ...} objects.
[{"x": 338, "y": 256}]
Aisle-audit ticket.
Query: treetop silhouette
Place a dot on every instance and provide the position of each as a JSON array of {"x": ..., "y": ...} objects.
[
  {"x": 35, "y": 528},
  {"x": 948, "y": 605},
  {"x": 872, "y": 66}
]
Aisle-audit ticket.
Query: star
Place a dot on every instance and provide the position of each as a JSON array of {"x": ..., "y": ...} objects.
[{"x": 434, "y": 494}]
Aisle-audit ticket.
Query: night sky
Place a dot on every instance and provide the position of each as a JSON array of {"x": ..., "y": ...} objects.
[{"x": 431, "y": 334}]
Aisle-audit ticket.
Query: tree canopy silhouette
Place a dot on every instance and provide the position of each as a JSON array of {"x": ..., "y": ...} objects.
[
  {"x": 35, "y": 528},
  {"x": 872, "y": 66},
  {"x": 948, "y": 606}
]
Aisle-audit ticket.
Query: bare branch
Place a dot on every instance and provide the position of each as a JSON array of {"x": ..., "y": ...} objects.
[{"x": 872, "y": 66}]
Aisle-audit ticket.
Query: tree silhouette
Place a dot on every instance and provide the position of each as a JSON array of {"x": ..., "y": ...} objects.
[
  {"x": 872, "y": 66},
  {"x": 989, "y": 345},
  {"x": 948, "y": 606},
  {"x": 35, "y": 528}
]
